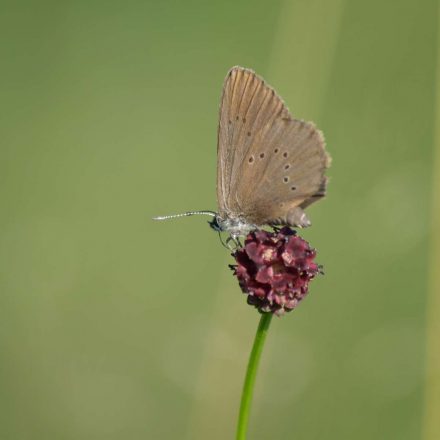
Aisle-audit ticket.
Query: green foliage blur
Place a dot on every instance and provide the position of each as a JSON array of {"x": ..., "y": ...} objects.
[{"x": 113, "y": 326}]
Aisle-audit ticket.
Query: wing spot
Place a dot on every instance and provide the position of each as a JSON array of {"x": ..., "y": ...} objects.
[
  {"x": 248, "y": 133},
  {"x": 251, "y": 159},
  {"x": 293, "y": 188},
  {"x": 287, "y": 166},
  {"x": 285, "y": 154},
  {"x": 244, "y": 120},
  {"x": 261, "y": 155},
  {"x": 230, "y": 122},
  {"x": 276, "y": 150},
  {"x": 285, "y": 179},
  {"x": 237, "y": 118}
]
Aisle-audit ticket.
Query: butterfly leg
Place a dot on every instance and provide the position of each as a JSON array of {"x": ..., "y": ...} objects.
[
  {"x": 228, "y": 241},
  {"x": 238, "y": 242},
  {"x": 234, "y": 239},
  {"x": 225, "y": 245}
]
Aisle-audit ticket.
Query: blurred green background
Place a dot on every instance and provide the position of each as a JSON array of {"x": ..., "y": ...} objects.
[{"x": 113, "y": 326}]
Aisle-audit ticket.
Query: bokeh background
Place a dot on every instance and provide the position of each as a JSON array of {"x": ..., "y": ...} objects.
[{"x": 113, "y": 326}]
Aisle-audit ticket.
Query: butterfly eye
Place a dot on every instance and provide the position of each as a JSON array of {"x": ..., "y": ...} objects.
[
  {"x": 251, "y": 159},
  {"x": 276, "y": 150},
  {"x": 285, "y": 179},
  {"x": 261, "y": 155},
  {"x": 285, "y": 154},
  {"x": 286, "y": 167},
  {"x": 293, "y": 188}
]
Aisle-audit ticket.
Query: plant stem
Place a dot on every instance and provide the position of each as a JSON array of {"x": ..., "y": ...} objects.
[{"x": 251, "y": 373}]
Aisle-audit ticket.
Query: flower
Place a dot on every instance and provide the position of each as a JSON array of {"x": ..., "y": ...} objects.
[{"x": 274, "y": 269}]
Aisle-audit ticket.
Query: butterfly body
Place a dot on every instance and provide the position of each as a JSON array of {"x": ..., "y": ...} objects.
[{"x": 236, "y": 227}]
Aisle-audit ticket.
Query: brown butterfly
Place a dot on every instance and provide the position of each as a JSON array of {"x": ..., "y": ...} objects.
[{"x": 270, "y": 166}]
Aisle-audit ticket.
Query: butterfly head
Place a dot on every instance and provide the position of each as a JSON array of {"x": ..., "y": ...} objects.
[{"x": 215, "y": 224}]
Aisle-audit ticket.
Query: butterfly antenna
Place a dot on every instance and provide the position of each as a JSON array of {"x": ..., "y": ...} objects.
[{"x": 185, "y": 214}]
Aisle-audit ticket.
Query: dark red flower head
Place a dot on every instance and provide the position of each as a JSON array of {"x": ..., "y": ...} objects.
[{"x": 274, "y": 269}]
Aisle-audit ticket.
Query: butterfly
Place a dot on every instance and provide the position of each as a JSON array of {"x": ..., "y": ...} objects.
[{"x": 270, "y": 165}]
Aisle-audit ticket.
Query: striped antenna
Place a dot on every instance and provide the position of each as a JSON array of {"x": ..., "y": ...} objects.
[{"x": 185, "y": 214}]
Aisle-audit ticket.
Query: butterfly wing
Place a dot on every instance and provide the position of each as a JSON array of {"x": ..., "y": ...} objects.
[{"x": 270, "y": 165}]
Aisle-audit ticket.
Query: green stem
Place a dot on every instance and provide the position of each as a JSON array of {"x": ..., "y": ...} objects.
[{"x": 251, "y": 373}]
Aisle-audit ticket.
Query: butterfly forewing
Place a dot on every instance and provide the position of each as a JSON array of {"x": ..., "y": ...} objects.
[{"x": 270, "y": 165}]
